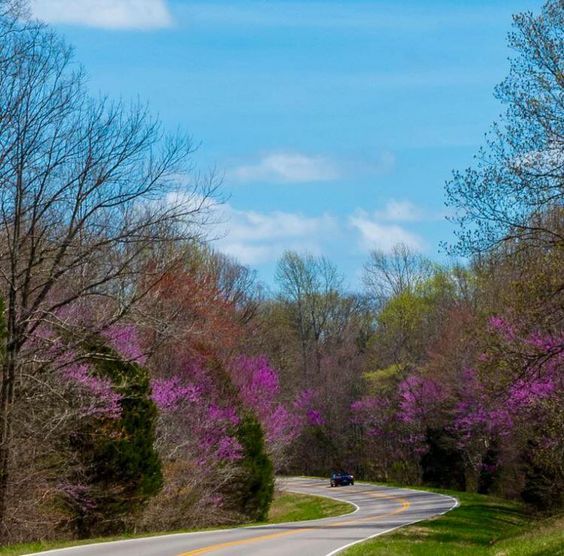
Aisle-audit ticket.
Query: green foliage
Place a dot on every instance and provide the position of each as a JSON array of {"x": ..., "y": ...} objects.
[
  {"x": 318, "y": 451},
  {"x": 443, "y": 464},
  {"x": 543, "y": 483},
  {"x": 410, "y": 319},
  {"x": 404, "y": 310},
  {"x": 382, "y": 379},
  {"x": 116, "y": 458},
  {"x": 489, "y": 472},
  {"x": 256, "y": 485}
]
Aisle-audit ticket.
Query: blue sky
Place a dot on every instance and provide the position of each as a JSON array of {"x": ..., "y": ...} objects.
[{"x": 336, "y": 124}]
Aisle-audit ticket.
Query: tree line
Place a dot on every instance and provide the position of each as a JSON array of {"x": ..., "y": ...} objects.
[{"x": 151, "y": 383}]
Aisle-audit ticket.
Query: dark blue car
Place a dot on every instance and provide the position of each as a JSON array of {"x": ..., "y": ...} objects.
[{"x": 341, "y": 478}]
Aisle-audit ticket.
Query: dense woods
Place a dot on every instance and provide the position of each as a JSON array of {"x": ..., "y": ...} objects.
[{"x": 150, "y": 383}]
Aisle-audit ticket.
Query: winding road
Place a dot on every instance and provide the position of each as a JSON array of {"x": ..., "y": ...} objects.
[{"x": 377, "y": 510}]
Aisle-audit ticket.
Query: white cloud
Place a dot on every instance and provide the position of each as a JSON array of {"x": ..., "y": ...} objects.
[
  {"x": 286, "y": 167},
  {"x": 378, "y": 235},
  {"x": 108, "y": 14},
  {"x": 543, "y": 161},
  {"x": 400, "y": 211},
  {"x": 258, "y": 237}
]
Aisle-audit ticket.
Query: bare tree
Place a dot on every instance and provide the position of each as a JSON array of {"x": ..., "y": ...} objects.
[
  {"x": 311, "y": 286},
  {"x": 389, "y": 274},
  {"x": 237, "y": 283},
  {"x": 88, "y": 189}
]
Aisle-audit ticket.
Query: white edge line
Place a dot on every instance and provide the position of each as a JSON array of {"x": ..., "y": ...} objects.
[
  {"x": 455, "y": 505},
  {"x": 171, "y": 535}
]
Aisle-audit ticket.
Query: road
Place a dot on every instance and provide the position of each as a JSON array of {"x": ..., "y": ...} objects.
[{"x": 377, "y": 511}]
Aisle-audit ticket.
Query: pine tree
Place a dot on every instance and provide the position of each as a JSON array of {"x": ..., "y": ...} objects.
[{"x": 256, "y": 486}]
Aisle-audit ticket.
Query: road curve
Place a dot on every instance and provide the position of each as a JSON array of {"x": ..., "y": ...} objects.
[{"x": 377, "y": 511}]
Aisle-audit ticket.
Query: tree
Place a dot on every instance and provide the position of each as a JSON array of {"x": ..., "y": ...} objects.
[
  {"x": 255, "y": 486},
  {"x": 410, "y": 320},
  {"x": 514, "y": 189},
  {"x": 390, "y": 274},
  {"x": 317, "y": 335},
  {"x": 237, "y": 284},
  {"x": 88, "y": 189},
  {"x": 310, "y": 286},
  {"x": 510, "y": 209},
  {"x": 116, "y": 468}
]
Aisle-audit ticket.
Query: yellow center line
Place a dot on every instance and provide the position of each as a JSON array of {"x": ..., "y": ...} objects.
[
  {"x": 206, "y": 549},
  {"x": 229, "y": 544},
  {"x": 405, "y": 504}
]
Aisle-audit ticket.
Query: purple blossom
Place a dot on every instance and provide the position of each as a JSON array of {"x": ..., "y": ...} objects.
[
  {"x": 169, "y": 393},
  {"x": 304, "y": 399},
  {"x": 500, "y": 325},
  {"x": 314, "y": 418},
  {"x": 226, "y": 414},
  {"x": 124, "y": 338},
  {"x": 78, "y": 495},
  {"x": 306, "y": 403},
  {"x": 256, "y": 379},
  {"x": 418, "y": 396},
  {"x": 546, "y": 342},
  {"x": 104, "y": 402},
  {"x": 525, "y": 393},
  {"x": 259, "y": 387},
  {"x": 229, "y": 449},
  {"x": 281, "y": 425}
]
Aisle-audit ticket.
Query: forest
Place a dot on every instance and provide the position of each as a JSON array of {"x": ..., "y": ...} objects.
[{"x": 149, "y": 382}]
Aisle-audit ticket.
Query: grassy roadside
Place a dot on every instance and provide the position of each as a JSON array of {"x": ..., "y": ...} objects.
[
  {"x": 480, "y": 526},
  {"x": 300, "y": 507},
  {"x": 286, "y": 506}
]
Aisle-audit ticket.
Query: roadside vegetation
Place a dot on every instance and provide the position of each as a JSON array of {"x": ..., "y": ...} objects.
[
  {"x": 285, "y": 507},
  {"x": 298, "y": 507},
  {"x": 481, "y": 526}
]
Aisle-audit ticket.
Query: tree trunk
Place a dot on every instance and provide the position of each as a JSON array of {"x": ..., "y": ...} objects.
[{"x": 6, "y": 403}]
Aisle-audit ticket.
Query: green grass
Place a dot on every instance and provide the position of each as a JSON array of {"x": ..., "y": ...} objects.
[
  {"x": 300, "y": 507},
  {"x": 480, "y": 526},
  {"x": 285, "y": 507}
]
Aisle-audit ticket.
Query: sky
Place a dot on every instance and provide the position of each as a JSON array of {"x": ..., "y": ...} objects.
[{"x": 334, "y": 124}]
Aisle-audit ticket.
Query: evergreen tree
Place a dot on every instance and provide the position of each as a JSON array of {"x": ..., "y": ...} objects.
[
  {"x": 116, "y": 467},
  {"x": 256, "y": 485}
]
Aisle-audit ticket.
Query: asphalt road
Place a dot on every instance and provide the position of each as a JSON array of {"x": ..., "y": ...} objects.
[{"x": 377, "y": 511}]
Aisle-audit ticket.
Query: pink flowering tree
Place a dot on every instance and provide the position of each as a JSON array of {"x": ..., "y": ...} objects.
[
  {"x": 474, "y": 422},
  {"x": 526, "y": 401},
  {"x": 259, "y": 389},
  {"x": 195, "y": 420}
]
